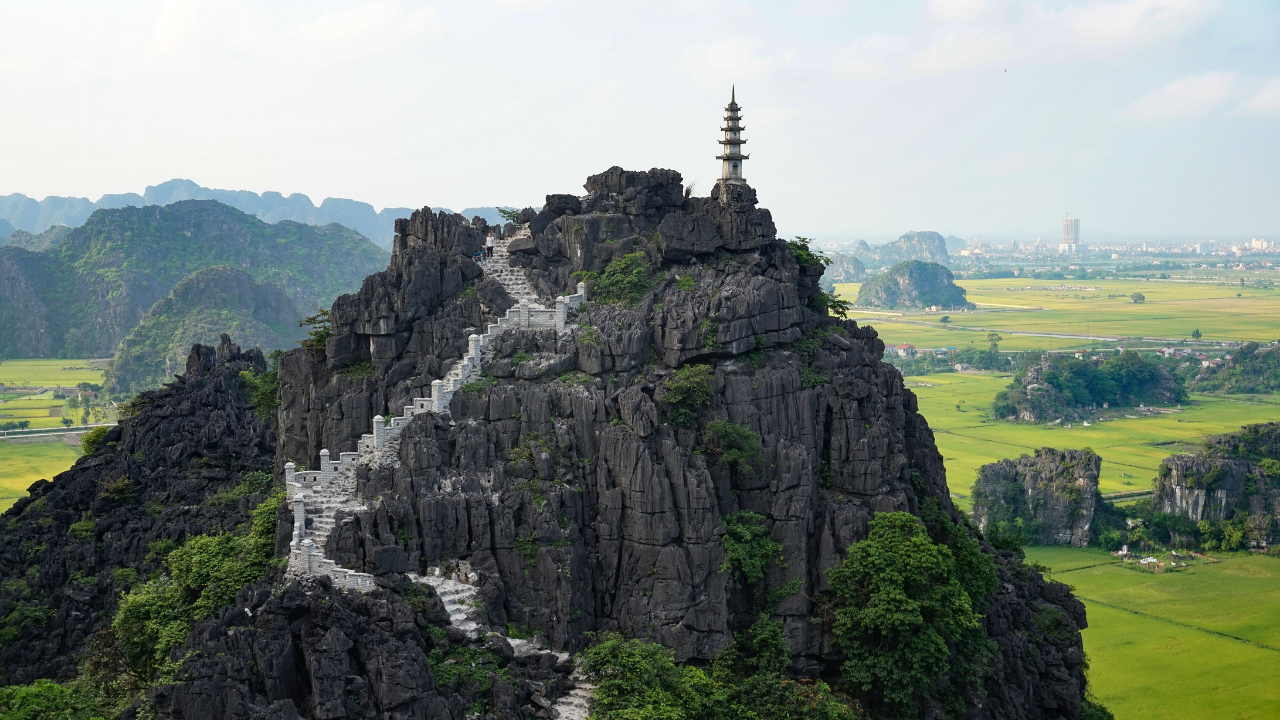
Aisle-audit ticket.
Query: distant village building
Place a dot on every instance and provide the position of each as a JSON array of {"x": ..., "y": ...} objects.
[{"x": 905, "y": 350}]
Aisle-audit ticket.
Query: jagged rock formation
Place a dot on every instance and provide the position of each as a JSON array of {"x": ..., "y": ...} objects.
[
  {"x": 61, "y": 547},
  {"x": 203, "y": 305},
  {"x": 913, "y": 285},
  {"x": 573, "y": 486},
  {"x": 926, "y": 246},
  {"x": 844, "y": 268},
  {"x": 1236, "y": 475},
  {"x": 1053, "y": 494},
  {"x": 88, "y": 291},
  {"x": 559, "y": 480}
]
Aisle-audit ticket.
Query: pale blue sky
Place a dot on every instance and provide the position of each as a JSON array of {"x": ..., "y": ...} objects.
[{"x": 865, "y": 119}]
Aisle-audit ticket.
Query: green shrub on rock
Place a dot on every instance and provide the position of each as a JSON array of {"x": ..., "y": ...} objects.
[
  {"x": 686, "y": 392},
  {"x": 901, "y": 606}
]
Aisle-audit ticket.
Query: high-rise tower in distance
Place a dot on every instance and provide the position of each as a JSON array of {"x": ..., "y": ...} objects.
[
  {"x": 731, "y": 160},
  {"x": 1070, "y": 231},
  {"x": 1070, "y": 244}
]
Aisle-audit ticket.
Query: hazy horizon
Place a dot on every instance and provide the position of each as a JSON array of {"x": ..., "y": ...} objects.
[{"x": 1144, "y": 118}]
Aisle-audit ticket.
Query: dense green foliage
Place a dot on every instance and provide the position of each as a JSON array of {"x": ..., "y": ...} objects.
[
  {"x": 906, "y": 611},
  {"x": 687, "y": 391},
  {"x": 47, "y": 700},
  {"x": 639, "y": 680},
  {"x": 200, "y": 308},
  {"x": 912, "y": 284},
  {"x": 1251, "y": 369},
  {"x": 1125, "y": 379},
  {"x": 92, "y": 440},
  {"x": 748, "y": 549},
  {"x": 264, "y": 388},
  {"x": 737, "y": 445},
  {"x": 623, "y": 282},
  {"x": 202, "y": 575}
]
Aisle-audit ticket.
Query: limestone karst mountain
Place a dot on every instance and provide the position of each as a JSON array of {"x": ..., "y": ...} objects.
[
  {"x": 33, "y": 217},
  {"x": 201, "y": 307},
  {"x": 1047, "y": 499},
  {"x": 913, "y": 285},
  {"x": 83, "y": 294},
  {"x": 481, "y": 470},
  {"x": 926, "y": 246}
]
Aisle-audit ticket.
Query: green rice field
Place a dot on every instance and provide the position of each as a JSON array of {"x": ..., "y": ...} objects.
[
  {"x": 1131, "y": 448},
  {"x": 24, "y": 463},
  {"x": 1199, "y": 643},
  {"x": 1171, "y": 311},
  {"x": 65, "y": 373}
]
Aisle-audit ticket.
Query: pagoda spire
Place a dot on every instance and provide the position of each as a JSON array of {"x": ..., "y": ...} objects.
[{"x": 731, "y": 157}]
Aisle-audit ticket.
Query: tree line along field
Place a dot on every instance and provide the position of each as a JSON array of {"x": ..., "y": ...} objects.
[
  {"x": 1131, "y": 448},
  {"x": 1171, "y": 310},
  {"x": 1200, "y": 643}
]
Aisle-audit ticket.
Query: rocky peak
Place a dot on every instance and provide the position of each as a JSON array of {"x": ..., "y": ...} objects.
[{"x": 1048, "y": 498}]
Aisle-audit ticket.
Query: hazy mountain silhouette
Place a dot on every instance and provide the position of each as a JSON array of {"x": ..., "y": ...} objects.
[{"x": 19, "y": 212}]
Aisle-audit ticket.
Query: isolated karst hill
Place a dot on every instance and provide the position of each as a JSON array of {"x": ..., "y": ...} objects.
[
  {"x": 926, "y": 246},
  {"x": 913, "y": 284},
  {"x": 702, "y": 459},
  {"x": 205, "y": 304}
]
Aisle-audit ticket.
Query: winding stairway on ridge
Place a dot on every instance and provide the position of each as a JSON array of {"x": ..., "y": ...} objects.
[{"x": 318, "y": 495}]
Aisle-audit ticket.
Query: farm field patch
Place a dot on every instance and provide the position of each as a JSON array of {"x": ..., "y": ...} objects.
[
  {"x": 1131, "y": 448},
  {"x": 24, "y": 463},
  {"x": 1171, "y": 310},
  {"x": 1153, "y": 640},
  {"x": 64, "y": 373}
]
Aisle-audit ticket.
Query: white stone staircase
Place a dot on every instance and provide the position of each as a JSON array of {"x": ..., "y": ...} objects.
[{"x": 316, "y": 496}]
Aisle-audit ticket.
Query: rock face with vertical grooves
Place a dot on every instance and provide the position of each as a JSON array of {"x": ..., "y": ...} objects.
[
  {"x": 562, "y": 481},
  {"x": 1235, "y": 475},
  {"x": 1053, "y": 493}
]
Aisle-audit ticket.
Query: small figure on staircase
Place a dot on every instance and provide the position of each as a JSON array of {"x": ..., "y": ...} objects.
[{"x": 488, "y": 247}]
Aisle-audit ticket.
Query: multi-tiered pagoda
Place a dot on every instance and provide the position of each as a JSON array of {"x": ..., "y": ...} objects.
[{"x": 731, "y": 160}]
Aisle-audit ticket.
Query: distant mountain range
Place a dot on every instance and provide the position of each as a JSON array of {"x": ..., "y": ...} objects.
[
  {"x": 81, "y": 292},
  {"x": 19, "y": 212}
]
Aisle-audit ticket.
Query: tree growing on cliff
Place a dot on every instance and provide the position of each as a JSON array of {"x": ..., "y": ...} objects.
[{"x": 901, "y": 606}]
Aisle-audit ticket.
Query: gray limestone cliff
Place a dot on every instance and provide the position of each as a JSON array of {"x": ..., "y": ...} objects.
[
  {"x": 1048, "y": 498},
  {"x": 1235, "y": 476},
  {"x": 562, "y": 477}
]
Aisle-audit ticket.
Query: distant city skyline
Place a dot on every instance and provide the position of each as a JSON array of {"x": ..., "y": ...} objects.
[{"x": 1150, "y": 118}]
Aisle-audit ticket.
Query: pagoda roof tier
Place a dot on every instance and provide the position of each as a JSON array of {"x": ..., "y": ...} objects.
[
  {"x": 733, "y": 156},
  {"x": 732, "y": 141},
  {"x": 727, "y": 129}
]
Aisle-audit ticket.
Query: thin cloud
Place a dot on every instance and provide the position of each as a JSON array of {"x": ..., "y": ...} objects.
[
  {"x": 1190, "y": 96},
  {"x": 958, "y": 10},
  {"x": 869, "y": 58},
  {"x": 725, "y": 61},
  {"x": 1265, "y": 101},
  {"x": 1137, "y": 21},
  {"x": 962, "y": 48}
]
